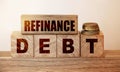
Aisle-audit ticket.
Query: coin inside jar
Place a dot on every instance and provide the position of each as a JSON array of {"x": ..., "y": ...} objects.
[{"x": 90, "y": 29}]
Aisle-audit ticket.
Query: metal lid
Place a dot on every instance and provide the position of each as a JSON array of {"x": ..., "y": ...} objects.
[{"x": 90, "y": 28}]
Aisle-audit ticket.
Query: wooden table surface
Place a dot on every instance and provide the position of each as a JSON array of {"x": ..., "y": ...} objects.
[{"x": 109, "y": 63}]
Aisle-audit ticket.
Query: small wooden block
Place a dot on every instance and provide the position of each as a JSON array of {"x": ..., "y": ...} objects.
[
  {"x": 92, "y": 45},
  {"x": 49, "y": 24},
  {"x": 66, "y": 44},
  {"x": 17, "y": 40},
  {"x": 45, "y": 46}
]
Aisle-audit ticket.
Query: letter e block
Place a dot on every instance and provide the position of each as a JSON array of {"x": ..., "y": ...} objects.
[
  {"x": 92, "y": 45},
  {"x": 45, "y": 46},
  {"x": 68, "y": 45},
  {"x": 21, "y": 45}
]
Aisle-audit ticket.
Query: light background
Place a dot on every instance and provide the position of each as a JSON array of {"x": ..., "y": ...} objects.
[{"x": 105, "y": 12}]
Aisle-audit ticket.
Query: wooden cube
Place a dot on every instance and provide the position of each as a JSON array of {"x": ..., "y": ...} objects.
[
  {"x": 92, "y": 45},
  {"x": 68, "y": 45},
  {"x": 45, "y": 46},
  {"x": 22, "y": 45}
]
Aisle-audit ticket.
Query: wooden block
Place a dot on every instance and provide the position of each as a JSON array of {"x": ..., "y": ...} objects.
[
  {"x": 92, "y": 45},
  {"x": 49, "y": 24},
  {"x": 22, "y": 45},
  {"x": 68, "y": 45},
  {"x": 45, "y": 45}
]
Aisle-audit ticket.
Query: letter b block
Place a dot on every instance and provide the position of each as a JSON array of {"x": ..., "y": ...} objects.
[
  {"x": 68, "y": 45},
  {"x": 92, "y": 45},
  {"x": 22, "y": 45}
]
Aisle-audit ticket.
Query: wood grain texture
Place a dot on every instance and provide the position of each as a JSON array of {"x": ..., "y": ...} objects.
[
  {"x": 75, "y": 45},
  {"x": 29, "y": 38},
  {"x": 5, "y": 54},
  {"x": 98, "y": 46},
  {"x": 51, "y": 43},
  {"x": 107, "y": 64},
  {"x": 50, "y": 18}
]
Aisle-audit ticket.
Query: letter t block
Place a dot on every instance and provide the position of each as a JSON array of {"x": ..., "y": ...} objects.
[{"x": 92, "y": 45}]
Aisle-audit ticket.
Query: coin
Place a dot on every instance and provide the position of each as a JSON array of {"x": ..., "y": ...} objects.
[
  {"x": 90, "y": 29},
  {"x": 90, "y": 26},
  {"x": 89, "y": 32}
]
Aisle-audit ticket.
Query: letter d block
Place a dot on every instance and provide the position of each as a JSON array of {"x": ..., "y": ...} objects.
[
  {"x": 45, "y": 46},
  {"x": 21, "y": 45},
  {"x": 68, "y": 45},
  {"x": 92, "y": 45}
]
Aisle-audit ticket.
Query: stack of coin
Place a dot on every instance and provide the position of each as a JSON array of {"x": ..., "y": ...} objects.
[{"x": 90, "y": 29}]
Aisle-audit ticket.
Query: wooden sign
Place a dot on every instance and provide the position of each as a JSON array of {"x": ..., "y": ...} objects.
[
  {"x": 49, "y": 24},
  {"x": 56, "y": 36}
]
